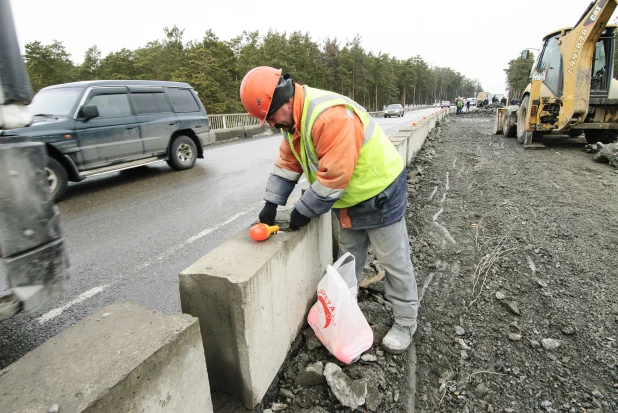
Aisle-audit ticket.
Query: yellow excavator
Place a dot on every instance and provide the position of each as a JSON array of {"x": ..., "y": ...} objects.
[{"x": 571, "y": 88}]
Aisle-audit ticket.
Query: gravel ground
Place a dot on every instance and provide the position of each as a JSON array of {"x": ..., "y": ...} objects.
[{"x": 517, "y": 252}]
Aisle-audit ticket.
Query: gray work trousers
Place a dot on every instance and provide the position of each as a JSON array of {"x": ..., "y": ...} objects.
[{"x": 392, "y": 249}]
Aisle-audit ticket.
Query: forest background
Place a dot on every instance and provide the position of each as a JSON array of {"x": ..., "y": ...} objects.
[{"x": 215, "y": 68}]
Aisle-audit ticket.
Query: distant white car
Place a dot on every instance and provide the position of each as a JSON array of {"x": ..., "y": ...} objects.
[
  {"x": 472, "y": 101},
  {"x": 394, "y": 110},
  {"x": 445, "y": 104}
]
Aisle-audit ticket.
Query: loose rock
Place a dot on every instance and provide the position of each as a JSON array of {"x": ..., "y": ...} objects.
[
  {"x": 278, "y": 407},
  {"x": 311, "y": 340},
  {"x": 313, "y": 375},
  {"x": 286, "y": 393},
  {"x": 550, "y": 343},
  {"x": 481, "y": 390},
  {"x": 511, "y": 306},
  {"x": 350, "y": 393},
  {"x": 514, "y": 336},
  {"x": 459, "y": 331},
  {"x": 463, "y": 345},
  {"x": 369, "y": 357}
]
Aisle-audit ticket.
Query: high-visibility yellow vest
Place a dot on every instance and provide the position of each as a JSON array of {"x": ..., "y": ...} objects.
[{"x": 378, "y": 163}]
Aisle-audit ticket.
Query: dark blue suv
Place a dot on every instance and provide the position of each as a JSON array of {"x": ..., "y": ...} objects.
[{"x": 95, "y": 127}]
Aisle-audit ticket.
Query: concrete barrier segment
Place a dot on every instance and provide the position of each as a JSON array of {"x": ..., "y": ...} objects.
[
  {"x": 252, "y": 299},
  {"x": 123, "y": 358},
  {"x": 243, "y": 132}
]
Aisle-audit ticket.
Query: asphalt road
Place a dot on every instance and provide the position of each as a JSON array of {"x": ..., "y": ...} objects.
[{"x": 130, "y": 233}]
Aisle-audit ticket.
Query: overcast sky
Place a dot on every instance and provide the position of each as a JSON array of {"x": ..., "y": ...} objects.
[{"x": 474, "y": 37}]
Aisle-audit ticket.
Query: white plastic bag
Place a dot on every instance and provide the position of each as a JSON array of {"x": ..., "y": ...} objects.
[{"x": 336, "y": 318}]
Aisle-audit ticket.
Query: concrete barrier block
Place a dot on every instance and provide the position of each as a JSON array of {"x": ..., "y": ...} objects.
[
  {"x": 251, "y": 299},
  {"x": 123, "y": 358},
  {"x": 416, "y": 141},
  {"x": 400, "y": 140},
  {"x": 228, "y": 134},
  {"x": 256, "y": 130}
]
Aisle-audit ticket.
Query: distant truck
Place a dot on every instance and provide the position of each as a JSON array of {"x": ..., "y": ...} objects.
[{"x": 482, "y": 99}]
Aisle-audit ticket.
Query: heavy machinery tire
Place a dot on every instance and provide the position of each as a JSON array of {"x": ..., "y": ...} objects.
[
  {"x": 183, "y": 153},
  {"x": 508, "y": 129},
  {"x": 601, "y": 135},
  {"x": 522, "y": 121},
  {"x": 57, "y": 178}
]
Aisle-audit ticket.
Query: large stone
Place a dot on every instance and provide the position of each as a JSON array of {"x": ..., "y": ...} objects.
[{"x": 350, "y": 393}]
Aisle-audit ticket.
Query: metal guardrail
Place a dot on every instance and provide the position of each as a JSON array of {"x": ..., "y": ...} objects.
[{"x": 234, "y": 120}]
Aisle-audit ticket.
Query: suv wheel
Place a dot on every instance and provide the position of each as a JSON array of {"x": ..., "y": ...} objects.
[
  {"x": 57, "y": 178},
  {"x": 183, "y": 153}
]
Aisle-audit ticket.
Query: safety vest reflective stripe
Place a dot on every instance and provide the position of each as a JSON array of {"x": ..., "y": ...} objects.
[
  {"x": 326, "y": 192},
  {"x": 284, "y": 173}
]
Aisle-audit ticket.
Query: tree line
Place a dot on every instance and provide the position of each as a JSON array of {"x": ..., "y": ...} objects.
[{"x": 215, "y": 68}]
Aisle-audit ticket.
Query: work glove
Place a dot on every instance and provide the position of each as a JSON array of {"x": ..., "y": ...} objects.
[
  {"x": 268, "y": 213},
  {"x": 298, "y": 220}
]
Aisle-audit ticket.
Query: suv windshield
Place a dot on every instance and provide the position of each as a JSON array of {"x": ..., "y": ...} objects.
[
  {"x": 55, "y": 102},
  {"x": 393, "y": 106}
]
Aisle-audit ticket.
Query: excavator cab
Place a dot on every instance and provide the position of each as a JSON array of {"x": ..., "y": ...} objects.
[
  {"x": 603, "y": 64},
  {"x": 548, "y": 66}
]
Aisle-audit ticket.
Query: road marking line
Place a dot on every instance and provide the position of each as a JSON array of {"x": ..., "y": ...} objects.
[
  {"x": 84, "y": 296},
  {"x": 191, "y": 240},
  {"x": 209, "y": 230},
  {"x": 96, "y": 290}
]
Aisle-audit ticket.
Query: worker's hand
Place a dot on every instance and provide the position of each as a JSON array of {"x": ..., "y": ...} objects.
[
  {"x": 298, "y": 220},
  {"x": 268, "y": 213}
]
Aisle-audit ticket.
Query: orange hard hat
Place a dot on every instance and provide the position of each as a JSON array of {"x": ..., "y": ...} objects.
[
  {"x": 263, "y": 90},
  {"x": 257, "y": 90}
]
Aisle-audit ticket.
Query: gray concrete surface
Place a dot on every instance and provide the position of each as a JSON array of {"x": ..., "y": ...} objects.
[
  {"x": 221, "y": 135},
  {"x": 251, "y": 299},
  {"x": 121, "y": 359}
]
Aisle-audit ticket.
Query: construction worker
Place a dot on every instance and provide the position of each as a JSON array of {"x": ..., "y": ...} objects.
[{"x": 352, "y": 168}]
